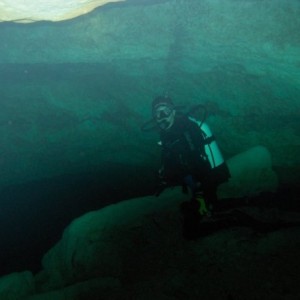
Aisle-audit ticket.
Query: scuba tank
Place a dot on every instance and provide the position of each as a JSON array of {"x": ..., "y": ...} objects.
[{"x": 211, "y": 147}]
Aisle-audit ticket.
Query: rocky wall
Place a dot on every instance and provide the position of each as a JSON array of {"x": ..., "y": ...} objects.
[{"x": 74, "y": 94}]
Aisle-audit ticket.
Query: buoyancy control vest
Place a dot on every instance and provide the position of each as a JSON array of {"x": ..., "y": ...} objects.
[
  {"x": 183, "y": 150},
  {"x": 196, "y": 141},
  {"x": 189, "y": 148}
]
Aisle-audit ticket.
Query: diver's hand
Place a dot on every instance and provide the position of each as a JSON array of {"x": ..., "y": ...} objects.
[
  {"x": 203, "y": 208},
  {"x": 160, "y": 187}
]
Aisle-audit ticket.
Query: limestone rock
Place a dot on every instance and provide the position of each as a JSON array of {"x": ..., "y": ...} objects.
[
  {"x": 39, "y": 10},
  {"x": 134, "y": 249},
  {"x": 91, "y": 289},
  {"x": 16, "y": 285},
  {"x": 251, "y": 173},
  {"x": 97, "y": 242}
]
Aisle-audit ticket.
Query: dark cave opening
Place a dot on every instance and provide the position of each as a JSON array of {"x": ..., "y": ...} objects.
[{"x": 34, "y": 214}]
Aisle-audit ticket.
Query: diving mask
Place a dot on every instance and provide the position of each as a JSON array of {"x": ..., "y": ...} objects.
[
  {"x": 162, "y": 112},
  {"x": 164, "y": 116}
]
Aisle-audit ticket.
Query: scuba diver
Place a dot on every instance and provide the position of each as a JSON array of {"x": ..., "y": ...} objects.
[{"x": 191, "y": 158}]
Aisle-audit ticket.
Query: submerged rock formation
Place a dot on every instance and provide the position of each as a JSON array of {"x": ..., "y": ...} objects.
[
  {"x": 135, "y": 250},
  {"x": 54, "y": 10}
]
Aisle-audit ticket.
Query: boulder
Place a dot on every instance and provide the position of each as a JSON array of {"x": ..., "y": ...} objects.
[
  {"x": 16, "y": 285},
  {"x": 251, "y": 173}
]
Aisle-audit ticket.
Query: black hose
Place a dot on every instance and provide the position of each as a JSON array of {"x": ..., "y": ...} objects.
[
  {"x": 192, "y": 111},
  {"x": 149, "y": 126}
]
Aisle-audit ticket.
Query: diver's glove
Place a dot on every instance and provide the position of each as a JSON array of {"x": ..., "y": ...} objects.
[
  {"x": 160, "y": 188},
  {"x": 203, "y": 207}
]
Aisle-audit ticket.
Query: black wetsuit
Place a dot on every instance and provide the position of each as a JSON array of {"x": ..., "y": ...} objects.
[{"x": 184, "y": 157}]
